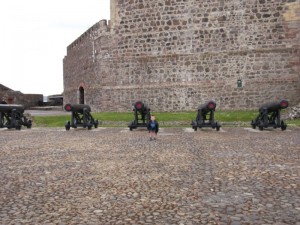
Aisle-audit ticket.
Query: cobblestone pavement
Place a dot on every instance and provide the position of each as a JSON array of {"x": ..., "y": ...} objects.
[{"x": 114, "y": 176}]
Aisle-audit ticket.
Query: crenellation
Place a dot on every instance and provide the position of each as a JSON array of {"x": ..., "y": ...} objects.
[
  {"x": 96, "y": 30},
  {"x": 177, "y": 53}
]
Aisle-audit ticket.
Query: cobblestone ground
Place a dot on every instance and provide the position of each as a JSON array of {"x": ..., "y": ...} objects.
[{"x": 114, "y": 176}]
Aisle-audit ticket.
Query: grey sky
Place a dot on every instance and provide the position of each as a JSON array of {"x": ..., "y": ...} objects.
[{"x": 34, "y": 38}]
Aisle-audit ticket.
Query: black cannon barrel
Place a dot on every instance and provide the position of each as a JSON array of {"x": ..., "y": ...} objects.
[
  {"x": 210, "y": 105},
  {"x": 77, "y": 108},
  {"x": 274, "y": 106},
  {"x": 139, "y": 105},
  {"x": 9, "y": 107}
]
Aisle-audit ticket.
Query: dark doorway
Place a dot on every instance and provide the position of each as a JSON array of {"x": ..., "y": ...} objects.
[
  {"x": 10, "y": 100},
  {"x": 81, "y": 95}
]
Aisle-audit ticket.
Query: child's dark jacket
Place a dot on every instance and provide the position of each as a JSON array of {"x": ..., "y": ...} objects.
[{"x": 156, "y": 126}]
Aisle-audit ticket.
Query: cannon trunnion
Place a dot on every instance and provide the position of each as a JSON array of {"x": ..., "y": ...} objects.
[
  {"x": 80, "y": 116},
  {"x": 141, "y": 115},
  {"x": 205, "y": 116},
  {"x": 11, "y": 116},
  {"x": 269, "y": 116}
]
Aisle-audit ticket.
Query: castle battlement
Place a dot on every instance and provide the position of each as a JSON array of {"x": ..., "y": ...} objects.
[
  {"x": 97, "y": 29},
  {"x": 176, "y": 54}
]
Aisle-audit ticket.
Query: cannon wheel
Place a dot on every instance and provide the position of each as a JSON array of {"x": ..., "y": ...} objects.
[
  {"x": 217, "y": 126},
  {"x": 261, "y": 125},
  {"x": 89, "y": 127},
  {"x": 131, "y": 126},
  {"x": 2, "y": 120},
  {"x": 18, "y": 126},
  {"x": 194, "y": 125},
  {"x": 67, "y": 125},
  {"x": 96, "y": 123},
  {"x": 283, "y": 126},
  {"x": 29, "y": 124},
  {"x": 253, "y": 124}
]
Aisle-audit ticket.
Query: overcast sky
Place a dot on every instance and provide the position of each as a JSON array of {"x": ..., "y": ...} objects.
[{"x": 34, "y": 38}]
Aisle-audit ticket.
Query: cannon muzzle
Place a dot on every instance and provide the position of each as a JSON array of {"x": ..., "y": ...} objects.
[
  {"x": 77, "y": 108},
  {"x": 7, "y": 108},
  {"x": 140, "y": 105},
  {"x": 274, "y": 106},
  {"x": 208, "y": 106}
]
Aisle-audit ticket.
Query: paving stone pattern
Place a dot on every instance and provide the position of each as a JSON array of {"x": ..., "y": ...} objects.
[{"x": 114, "y": 176}]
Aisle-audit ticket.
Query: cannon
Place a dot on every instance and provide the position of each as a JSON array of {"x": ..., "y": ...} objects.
[
  {"x": 141, "y": 115},
  {"x": 205, "y": 116},
  {"x": 80, "y": 117},
  {"x": 269, "y": 116},
  {"x": 11, "y": 116}
]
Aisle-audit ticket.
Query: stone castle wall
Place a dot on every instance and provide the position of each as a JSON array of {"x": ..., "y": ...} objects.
[
  {"x": 16, "y": 97},
  {"x": 176, "y": 54}
]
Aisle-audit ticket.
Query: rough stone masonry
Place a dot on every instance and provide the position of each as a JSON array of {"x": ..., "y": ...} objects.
[
  {"x": 176, "y": 54},
  {"x": 113, "y": 176}
]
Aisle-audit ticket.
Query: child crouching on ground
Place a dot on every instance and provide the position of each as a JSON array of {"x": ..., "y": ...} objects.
[{"x": 153, "y": 128}]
